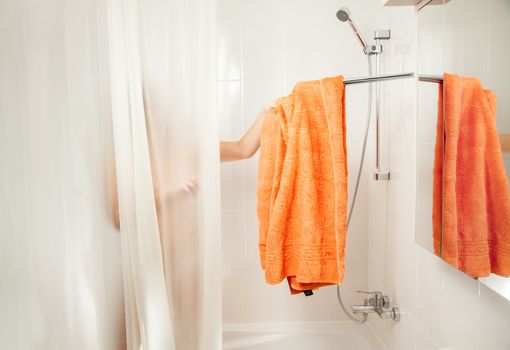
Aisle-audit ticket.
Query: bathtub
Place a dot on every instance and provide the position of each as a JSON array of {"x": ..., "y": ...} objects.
[{"x": 300, "y": 336}]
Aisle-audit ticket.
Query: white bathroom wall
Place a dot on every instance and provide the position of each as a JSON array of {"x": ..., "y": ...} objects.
[
  {"x": 441, "y": 307},
  {"x": 264, "y": 48}
]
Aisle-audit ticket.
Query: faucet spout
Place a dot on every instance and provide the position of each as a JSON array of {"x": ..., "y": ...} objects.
[{"x": 362, "y": 309}]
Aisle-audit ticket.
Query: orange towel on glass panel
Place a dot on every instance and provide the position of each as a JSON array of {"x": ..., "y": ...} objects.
[
  {"x": 302, "y": 187},
  {"x": 474, "y": 235}
]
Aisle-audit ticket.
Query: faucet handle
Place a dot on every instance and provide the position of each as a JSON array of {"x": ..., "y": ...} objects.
[
  {"x": 378, "y": 299},
  {"x": 375, "y": 293}
]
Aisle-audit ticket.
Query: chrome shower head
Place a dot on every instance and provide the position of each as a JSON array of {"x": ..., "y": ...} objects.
[{"x": 344, "y": 15}]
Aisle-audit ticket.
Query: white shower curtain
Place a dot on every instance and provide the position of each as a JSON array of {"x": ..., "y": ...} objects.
[
  {"x": 166, "y": 146},
  {"x": 60, "y": 256},
  {"x": 72, "y": 111}
]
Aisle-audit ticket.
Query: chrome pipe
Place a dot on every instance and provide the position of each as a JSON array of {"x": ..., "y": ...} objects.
[{"x": 377, "y": 114}]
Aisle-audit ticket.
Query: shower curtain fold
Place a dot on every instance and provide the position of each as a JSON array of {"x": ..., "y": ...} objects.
[
  {"x": 163, "y": 102},
  {"x": 148, "y": 320},
  {"x": 60, "y": 255}
]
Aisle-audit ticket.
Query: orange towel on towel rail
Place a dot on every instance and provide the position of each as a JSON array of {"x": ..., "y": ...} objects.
[
  {"x": 474, "y": 234},
  {"x": 302, "y": 187}
]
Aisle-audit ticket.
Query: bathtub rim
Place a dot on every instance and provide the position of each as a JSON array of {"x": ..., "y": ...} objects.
[{"x": 364, "y": 331}]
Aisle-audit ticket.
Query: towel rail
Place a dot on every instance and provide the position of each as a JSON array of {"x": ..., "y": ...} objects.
[
  {"x": 431, "y": 78},
  {"x": 378, "y": 78}
]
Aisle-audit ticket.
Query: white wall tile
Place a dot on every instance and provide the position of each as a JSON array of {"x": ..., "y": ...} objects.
[
  {"x": 459, "y": 291},
  {"x": 460, "y": 58},
  {"x": 259, "y": 94},
  {"x": 310, "y": 54},
  {"x": 377, "y": 242},
  {"x": 495, "y": 320},
  {"x": 234, "y": 299},
  {"x": 229, "y": 110},
  {"x": 401, "y": 198},
  {"x": 423, "y": 341},
  {"x": 232, "y": 236},
  {"x": 253, "y": 267},
  {"x": 499, "y": 27},
  {"x": 232, "y": 186},
  {"x": 424, "y": 190},
  {"x": 250, "y": 182},
  {"x": 268, "y": 303},
  {"x": 403, "y": 289},
  {"x": 228, "y": 42},
  {"x": 356, "y": 109},
  {"x": 430, "y": 35},
  {"x": 427, "y": 111},
  {"x": 429, "y": 295},
  {"x": 498, "y": 83},
  {"x": 497, "y": 284},
  {"x": 263, "y": 53},
  {"x": 396, "y": 335}
]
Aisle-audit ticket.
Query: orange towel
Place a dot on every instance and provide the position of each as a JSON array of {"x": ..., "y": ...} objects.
[
  {"x": 302, "y": 187},
  {"x": 474, "y": 235}
]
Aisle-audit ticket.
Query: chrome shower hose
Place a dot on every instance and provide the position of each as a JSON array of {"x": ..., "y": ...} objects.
[{"x": 355, "y": 194}]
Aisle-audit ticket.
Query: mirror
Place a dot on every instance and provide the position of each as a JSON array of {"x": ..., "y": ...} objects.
[{"x": 463, "y": 196}]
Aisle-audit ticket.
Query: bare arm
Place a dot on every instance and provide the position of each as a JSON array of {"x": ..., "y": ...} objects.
[
  {"x": 247, "y": 145},
  {"x": 505, "y": 143}
]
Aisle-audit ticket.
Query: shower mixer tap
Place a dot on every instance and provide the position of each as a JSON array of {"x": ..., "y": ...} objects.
[{"x": 379, "y": 304}]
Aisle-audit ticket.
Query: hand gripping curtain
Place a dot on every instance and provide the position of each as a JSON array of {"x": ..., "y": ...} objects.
[{"x": 166, "y": 147}]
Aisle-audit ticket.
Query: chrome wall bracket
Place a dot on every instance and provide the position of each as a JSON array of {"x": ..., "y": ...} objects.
[
  {"x": 373, "y": 49},
  {"x": 377, "y": 48},
  {"x": 381, "y": 175},
  {"x": 382, "y": 34}
]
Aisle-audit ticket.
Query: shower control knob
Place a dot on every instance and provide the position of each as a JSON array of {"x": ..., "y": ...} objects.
[
  {"x": 381, "y": 301},
  {"x": 395, "y": 314},
  {"x": 385, "y": 302}
]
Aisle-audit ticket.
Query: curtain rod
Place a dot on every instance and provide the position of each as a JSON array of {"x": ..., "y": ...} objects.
[
  {"x": 431, "y": 78},
  {"x": 378, "y": 78}
]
